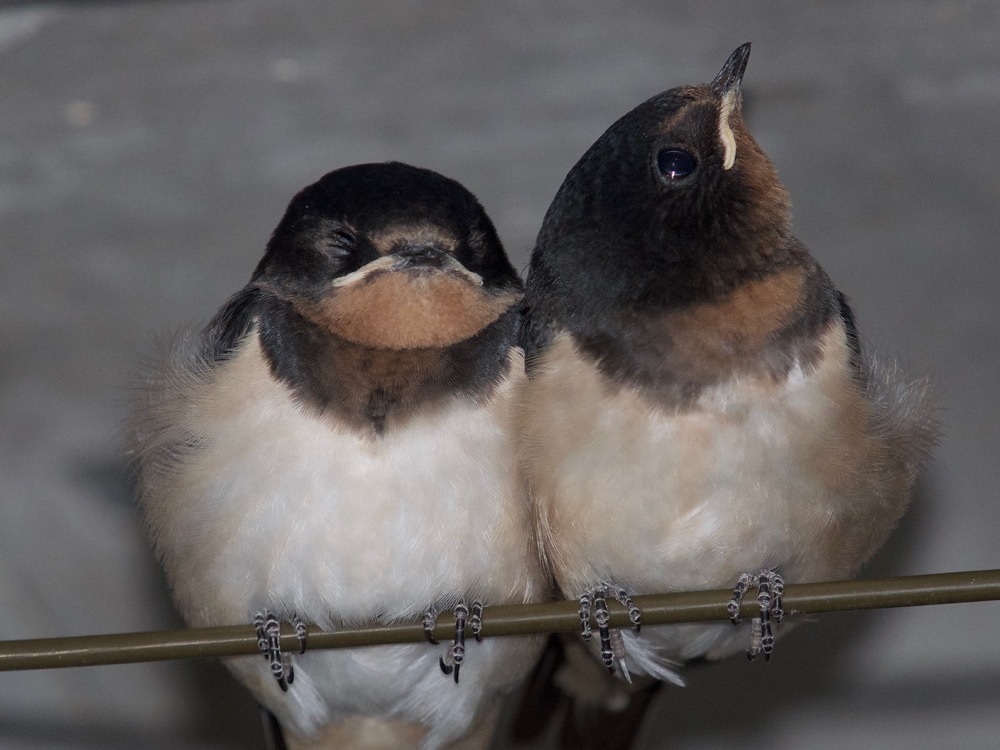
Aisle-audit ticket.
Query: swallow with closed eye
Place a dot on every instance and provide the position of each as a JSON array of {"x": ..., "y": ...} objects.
[{"x": 338, "y": 447}]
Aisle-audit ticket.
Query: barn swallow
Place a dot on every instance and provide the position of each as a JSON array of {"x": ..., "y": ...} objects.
[
  {"x": 338, "y": 446},
  {"x": 699, "y": 411}
]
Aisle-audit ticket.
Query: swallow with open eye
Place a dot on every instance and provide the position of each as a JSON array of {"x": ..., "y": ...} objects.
[
  {"x": 700, "y": 412},
  {"x": 338, "y": 447}
]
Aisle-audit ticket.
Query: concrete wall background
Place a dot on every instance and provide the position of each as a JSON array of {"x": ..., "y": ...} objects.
[{"x": 147, "y": 149}]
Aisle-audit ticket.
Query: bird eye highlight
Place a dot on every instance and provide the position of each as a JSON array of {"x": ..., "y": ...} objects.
[{"x": 675, "y": 164}]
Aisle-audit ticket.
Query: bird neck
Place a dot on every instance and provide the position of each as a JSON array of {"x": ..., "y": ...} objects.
[
  {"x": 372, "y": 390},
  {"x": 674, "y": 343}
]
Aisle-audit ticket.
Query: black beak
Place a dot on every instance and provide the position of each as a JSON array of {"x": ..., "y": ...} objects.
[
  {"x": 420, "y": 256},
  {"x": 731, "y": 74}
]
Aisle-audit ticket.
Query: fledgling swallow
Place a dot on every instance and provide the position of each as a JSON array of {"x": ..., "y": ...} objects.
[
  {"x": 338, "y": 447},
  {"x": 699, "y": 411}
]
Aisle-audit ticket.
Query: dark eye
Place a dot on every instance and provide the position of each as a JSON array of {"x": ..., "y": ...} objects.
[
  {"x": 337, "y": 240},
  {"x": 674, "y": 163},
  {"x": 343, "y": 236}
]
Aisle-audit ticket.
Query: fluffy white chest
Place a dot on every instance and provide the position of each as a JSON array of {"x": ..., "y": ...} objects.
[
  {"x": 752, "y": 475},
  {"x": 273, "y": 506},
  {"x": 279, "y": 507}
]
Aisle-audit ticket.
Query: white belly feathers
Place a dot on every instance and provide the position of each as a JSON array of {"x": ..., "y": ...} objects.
[
  {"x": 341, "y": 514},
  {"x": 278, "y": 507},
  {"x": 743, "y": 474}
]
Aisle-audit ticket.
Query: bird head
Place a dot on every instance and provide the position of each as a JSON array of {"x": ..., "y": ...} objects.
[
  {"x": 676, "y": 193},
  {"x": 390, "y": 256}
]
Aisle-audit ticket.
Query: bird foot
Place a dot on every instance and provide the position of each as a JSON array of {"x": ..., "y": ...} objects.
[
  {"x": 451, "y": 662},
  {"x": 770, "y": 587},
  {"x": 268, "y": 629},
  {"x": 430, "y": 622},
  {"x": 612, "y": 643}
]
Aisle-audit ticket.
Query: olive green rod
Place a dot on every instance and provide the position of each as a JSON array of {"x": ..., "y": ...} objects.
[{"x": 560, "y": 616}]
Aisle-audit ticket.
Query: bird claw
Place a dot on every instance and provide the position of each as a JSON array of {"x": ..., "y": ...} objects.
[
  {"x": 770, "y": 588},
  {"x": 586, "y": 602},
  {"x": 451, "y": 662},
  {"x": 430, "y": 622},
  {"x": 301, "y": 632},
  {"x": 476, "y": 621},
  {"x": 612, "y": 643},
  {"x": 633, "y": 611},
  {"x": 268, "y": 629}
]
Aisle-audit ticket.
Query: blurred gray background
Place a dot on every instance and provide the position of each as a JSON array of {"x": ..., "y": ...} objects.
[{"x": 147, "y": 149}]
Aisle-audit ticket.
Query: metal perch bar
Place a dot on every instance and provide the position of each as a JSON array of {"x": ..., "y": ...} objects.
[{"x": 560, "y": 616}]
